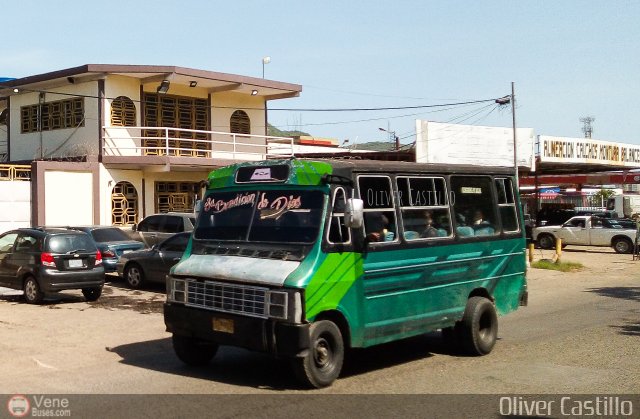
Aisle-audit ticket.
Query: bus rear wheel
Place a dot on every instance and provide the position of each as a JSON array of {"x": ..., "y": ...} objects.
[
  {"x": 193, "y": 351},
  {"x": 479, "y": 326},
  {"x": 323, "y": 362}
]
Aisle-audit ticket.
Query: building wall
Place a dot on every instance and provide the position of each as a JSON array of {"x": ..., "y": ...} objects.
[
  {"x": 60, "y": 142},
  {"x": 15, "y": 204},
  {"x": 68, "y": 197},
  {"x": 122, "y": 141},
  {"x": 144, "y": 183}
]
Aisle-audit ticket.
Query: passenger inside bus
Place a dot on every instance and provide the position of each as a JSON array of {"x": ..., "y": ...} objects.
[
  {"x": 429, "y": 230},
  {"x": 376, "y": 226}
]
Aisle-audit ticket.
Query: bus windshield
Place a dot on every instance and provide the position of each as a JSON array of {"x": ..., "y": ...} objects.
[{"x": 280, "y": 216}]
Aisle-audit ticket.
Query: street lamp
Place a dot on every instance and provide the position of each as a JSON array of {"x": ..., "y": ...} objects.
[
  {"x": 265, "y": 60},
  {"x": 392, "y": 136}
]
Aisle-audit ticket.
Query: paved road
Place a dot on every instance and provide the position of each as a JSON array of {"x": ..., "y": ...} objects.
[{"x": 579, "y": 334}]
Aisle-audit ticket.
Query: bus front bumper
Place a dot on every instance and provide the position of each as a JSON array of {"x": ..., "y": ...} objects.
[{"x": 257, "y": 334}]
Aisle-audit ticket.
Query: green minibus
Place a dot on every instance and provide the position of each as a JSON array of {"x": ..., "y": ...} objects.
[{"x": 305, "y": 259}]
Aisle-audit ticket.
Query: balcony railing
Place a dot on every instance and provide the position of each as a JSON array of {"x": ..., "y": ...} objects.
[{"x": 166, "y": 141}]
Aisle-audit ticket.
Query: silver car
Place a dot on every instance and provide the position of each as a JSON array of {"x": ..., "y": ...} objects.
[{"x": 158, "y": 227}]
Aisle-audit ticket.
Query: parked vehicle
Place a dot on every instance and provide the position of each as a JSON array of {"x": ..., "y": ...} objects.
[
  {"x": 587, "y": 231},
  {"x": 152, "y": 265},
  {"x": 41, "y": 261},
  {"x": 112, "y": 243},
  {"x": 626, "y": 205},
  {"x": 158, "y": 227}
]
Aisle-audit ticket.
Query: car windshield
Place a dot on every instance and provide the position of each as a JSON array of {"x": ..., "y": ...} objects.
[
  {"x": 109, "y": 235},
  {"x": 65, "y": 243},
  {"x": 282, "y": 216}
]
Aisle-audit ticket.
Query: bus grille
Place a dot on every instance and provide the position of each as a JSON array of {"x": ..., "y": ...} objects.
[{"x": 239, "y": 299}]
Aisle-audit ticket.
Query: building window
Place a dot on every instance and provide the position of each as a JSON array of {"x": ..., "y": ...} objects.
[
  {"x": 175, "y": 196},
  {"x": 124, "y": 204},
  {"x": 176, "y": 112},
  {"x": 123, "y": 112},
  {"x": 240, "y": 123},
  {"x": 4, "y": 116},
  {"x": 53, "y": 115}
]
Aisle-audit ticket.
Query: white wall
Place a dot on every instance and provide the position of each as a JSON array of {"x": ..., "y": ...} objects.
[
  {"x": 15, "y": 205},
  {"x": 59, "y": 142},
  {"x": 68, "y": 198}
]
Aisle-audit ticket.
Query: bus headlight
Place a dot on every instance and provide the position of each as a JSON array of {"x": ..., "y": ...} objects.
[
  {"x": 177, "y": 290},
  {"x": 278, "y": 304}
]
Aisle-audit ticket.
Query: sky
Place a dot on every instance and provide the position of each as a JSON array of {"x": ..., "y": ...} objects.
[{"x": 567, "y": 59}]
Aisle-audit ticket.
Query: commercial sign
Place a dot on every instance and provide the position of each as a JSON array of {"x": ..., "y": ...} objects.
[
  {"x": 586, "y": 150},
  {"x": 475, "y": 145}
]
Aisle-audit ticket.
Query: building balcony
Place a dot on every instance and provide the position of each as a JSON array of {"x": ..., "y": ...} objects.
[{"x": 164, "y": 146}]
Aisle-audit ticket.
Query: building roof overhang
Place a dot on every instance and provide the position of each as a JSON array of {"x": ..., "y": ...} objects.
[{"x": 210, "y": 80}]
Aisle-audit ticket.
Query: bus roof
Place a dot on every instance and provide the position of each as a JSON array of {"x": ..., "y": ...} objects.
[{"x": 311, "y": 171}]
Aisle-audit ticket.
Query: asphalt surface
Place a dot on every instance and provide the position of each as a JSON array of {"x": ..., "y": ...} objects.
[{"x": 579, "y": 334}]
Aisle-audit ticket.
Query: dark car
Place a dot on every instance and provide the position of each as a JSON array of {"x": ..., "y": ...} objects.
[
  {"x": 41, "y": 261},
  {"x": 112, "y": 243},
  {"x": 153, "y": 264},
  {"x": 158, "y": 227}
]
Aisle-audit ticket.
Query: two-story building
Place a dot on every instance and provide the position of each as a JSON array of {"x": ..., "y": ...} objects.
[{"x": 110, "y": 144}]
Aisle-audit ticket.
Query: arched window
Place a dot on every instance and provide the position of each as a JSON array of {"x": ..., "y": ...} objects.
[
  {"x": 4, "y": 115},
  {"x": 124, "y": 204},
  {"x": 240, "y": 123},
  {"x": 123, "y": 112}
]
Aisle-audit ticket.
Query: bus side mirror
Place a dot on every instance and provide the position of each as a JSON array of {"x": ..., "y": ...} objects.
[
  {"x": 354, "y": 214},
  {"x": 197, "y": 208}
]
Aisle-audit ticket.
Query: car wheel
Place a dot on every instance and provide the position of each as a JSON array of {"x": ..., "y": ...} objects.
[
  {"x": 546, "y": 241},
  {"x": 622, "y": 245},
  {"x": 32, "y": 292},
  {"x": 479, "y": 326},
  {"x": 134, "y": 275},
  {"x": 323, "y": 362},
  {"x": 92, "y": 294},
  {"x": 193, "y": 351}
]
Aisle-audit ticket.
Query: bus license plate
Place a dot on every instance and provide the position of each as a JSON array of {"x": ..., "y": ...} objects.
[
  {"x": 223, "y": 325},
  {"x": 75, "y": 263}
]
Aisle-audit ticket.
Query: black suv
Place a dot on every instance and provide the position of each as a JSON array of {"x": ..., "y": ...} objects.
[{"x": 41, "y": 261}]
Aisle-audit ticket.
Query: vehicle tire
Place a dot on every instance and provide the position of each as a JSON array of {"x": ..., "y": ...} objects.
[
  {"x": 134, "y": 275},
  {"x": 92, "y": 294},
  {"x": 479, "y": 326},
  {"x": 32, "y": 292},
  {"x": 323, "y": 362},
  {"x": 193, "y": 351},
  {"x": 621, "y": 245},
  {"x": 546, "y": 241}
]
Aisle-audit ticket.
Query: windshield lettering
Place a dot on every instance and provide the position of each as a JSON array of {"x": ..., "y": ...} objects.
[
  {"x": 220, "y": 205},
  {"x": 278, "y": 206}
]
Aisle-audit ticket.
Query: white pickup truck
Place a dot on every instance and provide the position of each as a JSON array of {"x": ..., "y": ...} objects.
[{"x": 587, "y": 230}]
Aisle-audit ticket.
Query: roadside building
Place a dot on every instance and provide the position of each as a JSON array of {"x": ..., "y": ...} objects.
[{"x": 110, "y": 144}]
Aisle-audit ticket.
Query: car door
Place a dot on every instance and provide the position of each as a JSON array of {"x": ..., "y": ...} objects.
[
  {"x": 169, "y": 253},
  {"x": 149, "y": 228},
  {"x": 21, "y": 259},
  {"x": 7, "y": 242},
  {"x": 574, "y": 231}
]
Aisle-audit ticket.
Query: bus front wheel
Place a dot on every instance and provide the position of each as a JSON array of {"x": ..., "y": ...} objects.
[
  {"x": 323, "y": 362},
  {"x": 193, "y": 351},
  {"x": 479, "y": 326}
]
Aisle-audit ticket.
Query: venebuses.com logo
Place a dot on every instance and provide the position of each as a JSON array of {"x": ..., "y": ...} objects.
[{"x": 18, "y": 406}]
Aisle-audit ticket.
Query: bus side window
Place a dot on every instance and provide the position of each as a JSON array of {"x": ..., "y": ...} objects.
[
  {"x": 424, "y": 207},
  {"x": 338, "y": 232},
  {"x": 379, "y": 213},
  {"x": 507, "y": 204},
  {"x": 474, "y": 206}
]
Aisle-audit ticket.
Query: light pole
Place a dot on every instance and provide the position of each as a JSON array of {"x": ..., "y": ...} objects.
[
  {"x": 392, "y": 136},
  {"x": 511, "y": 99},
  {"x": 265, "y": 60}
]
